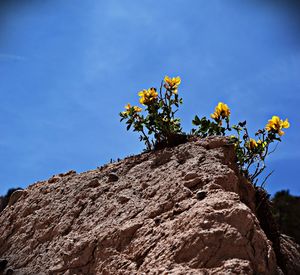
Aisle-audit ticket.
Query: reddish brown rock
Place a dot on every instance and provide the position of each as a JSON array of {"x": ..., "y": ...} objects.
[{"x": 150, "y": 219}]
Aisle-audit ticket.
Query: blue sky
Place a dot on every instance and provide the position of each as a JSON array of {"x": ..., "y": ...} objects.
[{"x": 68, "y": 67}]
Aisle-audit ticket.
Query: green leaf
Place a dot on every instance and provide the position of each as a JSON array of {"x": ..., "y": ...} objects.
[
  {"x": 242, "y": 124},
  {"x": 196, "y": 121}
]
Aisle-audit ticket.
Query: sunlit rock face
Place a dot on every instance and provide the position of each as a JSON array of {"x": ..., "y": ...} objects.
[{"x": 181, "y": 210}]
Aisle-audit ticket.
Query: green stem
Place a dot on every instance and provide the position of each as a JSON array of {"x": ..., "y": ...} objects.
[{"x": 148, "y": 144}]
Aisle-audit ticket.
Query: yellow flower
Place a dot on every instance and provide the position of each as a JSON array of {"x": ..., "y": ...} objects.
[
  {"x": 137, "y": 109},
  {"x": 148, "y": 96},
  {"x": 173, "y": 83},
  {"x": 276, "y": 124},
  {"x": 221, "y": 111},
  {"x": 128, "y": 108},
  {"x": 252, "y": 144}
]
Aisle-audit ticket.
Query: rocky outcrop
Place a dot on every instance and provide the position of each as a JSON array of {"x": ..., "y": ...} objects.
[
  {"x": 4, "y": 200},
  {"x": 181, "y": 210}
]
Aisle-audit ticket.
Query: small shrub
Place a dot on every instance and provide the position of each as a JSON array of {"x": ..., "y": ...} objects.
[
  {"x": 250, "y": 153},
  {"x": 158, "y": 125},
  {"x": 213, "y": 128}
]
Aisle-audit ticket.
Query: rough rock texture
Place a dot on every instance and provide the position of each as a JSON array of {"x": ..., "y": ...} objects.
[
  {"x": 183, "y": 210},
  {"x": 291, "y": 254}
]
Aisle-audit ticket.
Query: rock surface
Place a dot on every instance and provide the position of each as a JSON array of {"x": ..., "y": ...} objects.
[{"x": 183, "y": 210}]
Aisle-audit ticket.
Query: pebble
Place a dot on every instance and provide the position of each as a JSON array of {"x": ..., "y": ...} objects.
[
  {"x": 54, "y": 179},
  {"x": 93, "y": 183},
  {"x": 190, "y": 175}
]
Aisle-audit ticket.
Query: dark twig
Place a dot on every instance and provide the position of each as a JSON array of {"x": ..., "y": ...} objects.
[{"x": 264, "y": 181}]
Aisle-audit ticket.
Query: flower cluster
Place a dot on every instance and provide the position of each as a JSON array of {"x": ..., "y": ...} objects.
[
  {"x": 275, "y": 124},
  {"x": 172, "y": 83},
  {"x": 148, "y": 96},
  {"x": 158, "y": 127},
  {"x": 253, "y": 144},
  {"x": 221, "y": 112},
  {"x": 129, "y": 110}
]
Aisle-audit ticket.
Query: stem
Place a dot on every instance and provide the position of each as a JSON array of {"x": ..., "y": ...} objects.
[
  {"x": 148, "y": 144},
  {"x": 249, "y": 164},
  {"x": 160, "y": 89},
  {"x": 258, "y": 172},
  {"x": 274, "y": 149},
  {"x": 263, "y": 183},
  {"x": 153, "y": 113}
]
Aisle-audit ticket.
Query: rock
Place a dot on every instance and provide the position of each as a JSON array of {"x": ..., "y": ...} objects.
[
  {"x": 291, "y": 252},
  {"x": 112, "y": 177},
  {"x": 54, "y": 179},
  {"x": 161, "y": 158},
  {"x": 93, "y": 183},
  {"x": 69, "y": 173},
  {"x": 123, "y": 199},
  {"x": 183, "y": 156},
  {"x": 44, "y": 189},
  {"x": 14, "y": 197},
  {"x": 156, "y": 220},
  {"x": 190, "y": 175},
  {"x": 201, "y": 195},
  {"x": 193, "y": 183}
]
